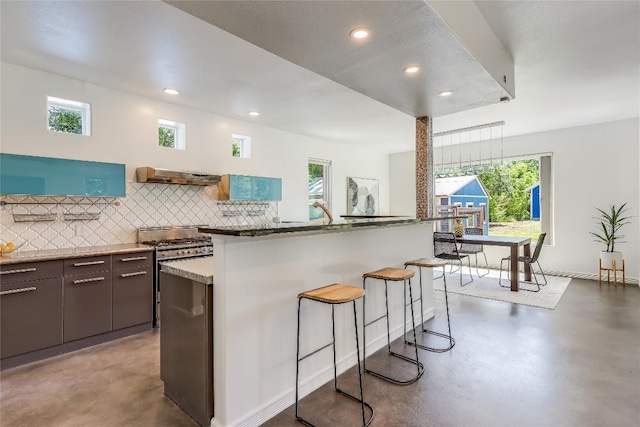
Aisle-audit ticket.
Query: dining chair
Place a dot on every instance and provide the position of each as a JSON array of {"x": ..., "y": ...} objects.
[
  {"x": 474, "y": 249},
  {"x": 445, "y": 247},
  {"x": 528, "y": 260}
]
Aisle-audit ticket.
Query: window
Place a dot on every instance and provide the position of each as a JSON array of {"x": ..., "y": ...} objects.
[
  {"x": 64, "y": 115},
  {"x": 319, "y": 187},
  {"x": 241, "y": 146},
  {"x": 172, "y": 134}
]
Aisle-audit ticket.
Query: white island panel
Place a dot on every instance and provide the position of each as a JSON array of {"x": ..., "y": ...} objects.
[{"x": 255, "y": 310}]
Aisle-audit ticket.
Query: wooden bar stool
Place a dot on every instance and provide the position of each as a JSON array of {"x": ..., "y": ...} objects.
[
  {"x": 393, "y": 275},
  {"x": 430, "y": 263},
  {"x": 333, "y": 294}
]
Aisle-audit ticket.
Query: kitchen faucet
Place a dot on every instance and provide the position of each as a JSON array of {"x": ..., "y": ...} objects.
[{"x": 324, "y": 208}]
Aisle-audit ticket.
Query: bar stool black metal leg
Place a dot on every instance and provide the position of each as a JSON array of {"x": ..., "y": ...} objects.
[
  {"x": 298, "y": 361},
  {"x": 416, "y": 361},
  {"x": 452, "y": 341},
  {"x": 365, "y": 422}
]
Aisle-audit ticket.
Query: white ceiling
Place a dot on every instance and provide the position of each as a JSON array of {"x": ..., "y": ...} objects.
[{"x": 576, "y": 63}]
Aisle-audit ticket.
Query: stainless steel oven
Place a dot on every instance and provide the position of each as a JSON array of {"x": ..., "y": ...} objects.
[{"x": 170, "y": 243}]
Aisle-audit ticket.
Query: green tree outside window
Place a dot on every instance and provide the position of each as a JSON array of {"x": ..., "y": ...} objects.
[
  {"x": 166, "y": 137},
  {"x": 65, "y": 120}
]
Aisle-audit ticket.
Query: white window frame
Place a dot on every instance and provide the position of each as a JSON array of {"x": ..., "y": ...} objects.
[
  {"x": 326, "y": 176},
  {"x": 245, "y": 145},
  {"x": 180, "y": 131},
  {"x": 83, "y": 107}
]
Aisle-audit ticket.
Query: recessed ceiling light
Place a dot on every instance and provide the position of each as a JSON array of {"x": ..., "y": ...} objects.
[
  {"x": 254, "y": 113},
  {"x": 411, "y": 69},
  {"x": 359, "y": 33},
  {"x": 445, "y": 93},
  {"x": 170, "y": 91}
]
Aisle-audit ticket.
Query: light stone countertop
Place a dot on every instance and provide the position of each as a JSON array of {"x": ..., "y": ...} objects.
[
  {"x": 198, "y": 269},
  {"x": 64, "y": 253}
]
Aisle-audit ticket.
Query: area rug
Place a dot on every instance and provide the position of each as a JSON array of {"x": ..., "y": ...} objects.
[{"x": 488, "y": 287}]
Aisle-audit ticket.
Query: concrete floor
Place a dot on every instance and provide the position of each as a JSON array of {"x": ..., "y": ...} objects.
[{"x": 513, "y": 365}]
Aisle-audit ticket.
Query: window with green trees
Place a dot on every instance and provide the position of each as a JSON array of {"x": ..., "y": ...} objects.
[
  {"x": 64, "y": 115},
  {"x": 171, "y": 134}
]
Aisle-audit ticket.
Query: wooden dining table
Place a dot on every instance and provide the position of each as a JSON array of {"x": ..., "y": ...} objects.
[{"x": 512, "y": 242}]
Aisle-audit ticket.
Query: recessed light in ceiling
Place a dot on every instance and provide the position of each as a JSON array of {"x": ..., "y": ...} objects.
[
  {"x": 170, "y": 91},
  {"x": 359, "y": 33},
  {"x": 254, "y": 113},
  {"x": 445, "y": 93},
  {"x": 411, "y": 69}
]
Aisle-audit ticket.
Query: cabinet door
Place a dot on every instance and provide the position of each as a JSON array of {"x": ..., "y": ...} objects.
[
  {"x": 266, "y": 188},
  {"x": 87, "y": 305},
  {"x": 30, "y": 316},
  {"x": 132, "y": 297}
]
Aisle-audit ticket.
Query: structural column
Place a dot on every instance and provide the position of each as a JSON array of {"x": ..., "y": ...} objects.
[{"x": 424, "y": 168}]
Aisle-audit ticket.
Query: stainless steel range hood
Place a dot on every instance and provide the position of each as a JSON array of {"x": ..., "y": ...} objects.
[{"x": 168, "y": 176}]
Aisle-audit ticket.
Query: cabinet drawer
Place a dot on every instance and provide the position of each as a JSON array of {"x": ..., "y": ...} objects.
[
  {"x": 11, "y": 273},
  {"x": 30, "y": 316},
  {"x": 87, "y": 305},
  {"x": 132, "y": 297},
  {"x": 135, "y": 260},
  {"x": 87, "y": 265}
]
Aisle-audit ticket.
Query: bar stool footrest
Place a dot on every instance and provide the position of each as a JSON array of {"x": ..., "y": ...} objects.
[
  {"x": 350, "y": 396},
  {"x": 452, "y": 342},
  {"x": 396, "y": 381}
]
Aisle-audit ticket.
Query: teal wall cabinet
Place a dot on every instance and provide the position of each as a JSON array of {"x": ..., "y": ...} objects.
[
  {"x": 244, "y": 187},
  {"x": 47, "y": 176}
]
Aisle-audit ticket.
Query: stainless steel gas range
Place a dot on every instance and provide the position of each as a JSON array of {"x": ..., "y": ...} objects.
[{"x": 170, "y": 243}]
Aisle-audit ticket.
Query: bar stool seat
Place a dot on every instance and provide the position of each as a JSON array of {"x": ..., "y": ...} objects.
[
  {"x": 431, "y": 263},
  {"x": 391, "y": 274},
  {"x": 333, "y": 294}
]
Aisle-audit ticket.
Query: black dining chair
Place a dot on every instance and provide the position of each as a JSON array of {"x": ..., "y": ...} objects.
[
  {"x": 528, "y": 260},
  {"x": 445, "y": 247},
  {"x": 475, "y": 249}
]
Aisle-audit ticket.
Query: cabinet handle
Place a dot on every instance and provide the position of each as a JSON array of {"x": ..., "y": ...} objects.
[
  {"x": 137, "y": 273},
  {"x": 82, "y": 264},
  {"x": 21, "y": 270},
  {"x": 93, "y": 279},
  {"x": 137, "y": 258},
  {"x": 18, "y": 291}
]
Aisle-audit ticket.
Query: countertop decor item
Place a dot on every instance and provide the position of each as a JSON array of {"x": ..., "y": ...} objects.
[{"x": 458, "y": 228}]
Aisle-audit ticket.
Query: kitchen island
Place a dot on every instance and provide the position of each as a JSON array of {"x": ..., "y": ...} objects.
[{"x": 258, "y": 273}]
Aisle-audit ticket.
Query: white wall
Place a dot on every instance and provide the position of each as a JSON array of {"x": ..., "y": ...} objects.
[
  {"x": 593, "y": 166},
  {"x": 124, "y": 130}
]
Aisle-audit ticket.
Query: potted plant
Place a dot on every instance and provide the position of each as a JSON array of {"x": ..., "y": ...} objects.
[{"x": 610, "y": 223}]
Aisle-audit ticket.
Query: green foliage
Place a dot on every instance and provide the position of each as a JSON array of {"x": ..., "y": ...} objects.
[
  {"x": 315, "y": 171},
  {"x": 506, "y": 185},
  {"x": 235, "y": 147},
  {"x": 167, "y": 137},
  {"x": 609, "y": 224},
  {"x": 65, "y": 120}
]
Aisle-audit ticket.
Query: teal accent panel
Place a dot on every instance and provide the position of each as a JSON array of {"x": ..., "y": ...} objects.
[
  {"x": 243, "y": 187},
  {"x": 47, "y": 176}
]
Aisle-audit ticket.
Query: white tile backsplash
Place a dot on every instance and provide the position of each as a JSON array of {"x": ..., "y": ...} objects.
[{"x": 146, "y": 205}]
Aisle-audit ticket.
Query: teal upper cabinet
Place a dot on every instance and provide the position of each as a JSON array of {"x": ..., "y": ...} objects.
[
  {"x": 46, "y": 176},
  {"x": 244, "y": 187}
]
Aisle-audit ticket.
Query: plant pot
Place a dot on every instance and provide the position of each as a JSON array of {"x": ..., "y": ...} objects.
[{"x": 607, "y": 259}]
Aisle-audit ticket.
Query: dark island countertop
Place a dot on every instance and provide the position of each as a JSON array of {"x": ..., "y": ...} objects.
[{"x": 269, "y": 229}]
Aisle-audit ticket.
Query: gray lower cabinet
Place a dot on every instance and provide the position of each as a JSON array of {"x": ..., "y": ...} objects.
[
  {"x": 87, "y": 305},
  {"x": 132, "y": 284},
  {"x": 51, "y": 307},
  {"x": 30, "y": 315}
]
